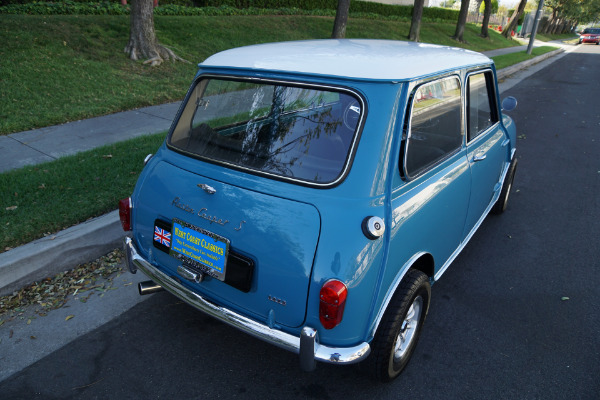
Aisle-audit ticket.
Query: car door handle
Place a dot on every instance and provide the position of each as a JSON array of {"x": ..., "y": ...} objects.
[{"x": 479, "y": 157}]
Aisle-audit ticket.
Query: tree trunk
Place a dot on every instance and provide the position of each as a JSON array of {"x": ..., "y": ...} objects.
[
  {"x": 415, "y": 24},
  {"x": 142, "y": 37},
  {"x": 552, "y": 21},
  {"x": 558, "y": 26},
  {"x": 486, "y": 19},
  {"x": 514, "y": 19},
  {"x": 462, "y": 21},
  {"x": 544, "y": 25},
  {"x": 341, "y": 19}
]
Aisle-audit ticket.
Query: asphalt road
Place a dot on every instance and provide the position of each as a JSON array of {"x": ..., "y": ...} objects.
[{"x": 500, "y": 324}]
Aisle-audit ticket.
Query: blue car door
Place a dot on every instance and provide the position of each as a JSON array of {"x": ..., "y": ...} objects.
[
  {"x": 431, "y": 206},
  {"x": 486, "y": 146}
]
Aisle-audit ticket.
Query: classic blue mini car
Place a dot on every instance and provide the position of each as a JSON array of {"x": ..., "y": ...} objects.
[{"x": 309, "y": 193}]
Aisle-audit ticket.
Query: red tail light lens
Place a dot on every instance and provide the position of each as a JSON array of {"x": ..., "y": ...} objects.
[
  {"x": 125, "y": 207},
  {"x": 333, "y": 300}
]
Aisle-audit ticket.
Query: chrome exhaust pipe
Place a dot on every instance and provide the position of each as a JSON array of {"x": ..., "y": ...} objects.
[{"x": 148, "y": 287}]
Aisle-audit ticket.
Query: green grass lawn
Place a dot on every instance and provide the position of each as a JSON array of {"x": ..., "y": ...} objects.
[
  {"x": 55, "y": 69},
  {"x": 60, "y": 68},
  {"x": 507, "y": 60},
  {"x": 42, "y": 199}
]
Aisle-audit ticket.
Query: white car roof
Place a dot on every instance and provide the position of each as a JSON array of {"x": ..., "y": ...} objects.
[{"x": 352, "y": 58}]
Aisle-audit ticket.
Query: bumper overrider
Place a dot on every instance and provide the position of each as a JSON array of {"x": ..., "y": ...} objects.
[{"x": 307, "y": 345}]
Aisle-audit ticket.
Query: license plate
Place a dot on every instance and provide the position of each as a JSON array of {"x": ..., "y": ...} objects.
[{"x": 199, "y": 248}]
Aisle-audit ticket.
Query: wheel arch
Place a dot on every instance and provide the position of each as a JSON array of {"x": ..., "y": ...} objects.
[{"x": 421, "y": 261}]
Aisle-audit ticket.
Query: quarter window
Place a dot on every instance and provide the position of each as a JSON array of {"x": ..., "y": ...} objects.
[
  {"x": 435, "y": 128},
  {"x": 480, "y": 108}
]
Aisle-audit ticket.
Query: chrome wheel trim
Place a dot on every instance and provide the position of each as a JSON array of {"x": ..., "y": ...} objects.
[{"x": 408, "y": 330}]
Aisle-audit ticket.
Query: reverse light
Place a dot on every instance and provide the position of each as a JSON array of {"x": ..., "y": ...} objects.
[
  {"x": 125, "y": 206},
  {"x": 332, "y": 302}
]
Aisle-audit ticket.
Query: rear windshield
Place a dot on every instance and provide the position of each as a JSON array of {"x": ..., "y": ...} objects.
[{"x": 303, "y": 133}]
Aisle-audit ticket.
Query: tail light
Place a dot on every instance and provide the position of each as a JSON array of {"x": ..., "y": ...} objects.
[
  {"x": 332, "y": 302},
  {"x": 125, "y": 207}
]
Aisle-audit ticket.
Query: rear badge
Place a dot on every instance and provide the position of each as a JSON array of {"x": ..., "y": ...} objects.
[
  {"x": 277, "y": 300},
  {"x": 208, "y": 189},
  {"x": 203, "y": 212}
]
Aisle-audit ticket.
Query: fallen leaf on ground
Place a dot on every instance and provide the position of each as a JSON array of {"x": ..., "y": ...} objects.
[
  {"x": 53, "y": 292},
  {"x": 69, "y": 317}
]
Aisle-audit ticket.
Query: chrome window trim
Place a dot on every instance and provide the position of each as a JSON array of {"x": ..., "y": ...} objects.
[
  {"x": 407, "y": 125},
  {"x": 494, "y": 108},
  {"x": 294, "y": 83}
]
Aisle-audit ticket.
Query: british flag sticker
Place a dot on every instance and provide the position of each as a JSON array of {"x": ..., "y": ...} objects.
[{"x": 162, "y": 236}]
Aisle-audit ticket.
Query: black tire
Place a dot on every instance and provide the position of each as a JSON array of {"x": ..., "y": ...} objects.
[
  {"x": 502, "y": 201},
  {"x": 400, "y": 327}
]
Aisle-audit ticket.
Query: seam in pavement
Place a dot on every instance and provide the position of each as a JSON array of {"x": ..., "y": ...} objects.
[{"x": 32, "y": 148}]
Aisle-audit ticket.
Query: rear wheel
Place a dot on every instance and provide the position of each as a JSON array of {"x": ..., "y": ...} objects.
[{"x": 399, "y": 330}]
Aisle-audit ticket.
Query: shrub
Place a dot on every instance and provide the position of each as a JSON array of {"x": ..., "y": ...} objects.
[{"x": 358, "y": 9}]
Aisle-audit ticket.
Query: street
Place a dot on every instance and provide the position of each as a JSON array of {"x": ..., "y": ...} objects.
[{"x": 516, "y": 316}]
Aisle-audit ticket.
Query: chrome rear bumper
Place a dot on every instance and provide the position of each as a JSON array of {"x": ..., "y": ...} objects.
[{"x": 306, "y": 345}]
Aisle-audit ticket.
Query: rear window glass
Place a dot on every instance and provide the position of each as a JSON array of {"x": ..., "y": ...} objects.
[{"x": 303, "y": 133}]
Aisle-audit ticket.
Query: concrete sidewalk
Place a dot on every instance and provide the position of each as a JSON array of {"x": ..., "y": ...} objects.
[
  {"x": 48, "y": 144},
  {"x": 90, "y": 240}
]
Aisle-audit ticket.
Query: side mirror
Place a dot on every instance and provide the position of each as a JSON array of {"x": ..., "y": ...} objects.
[{"x": 509, "y": 104}]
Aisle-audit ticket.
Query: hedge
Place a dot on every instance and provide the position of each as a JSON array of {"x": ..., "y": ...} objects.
[
  {"x": 358, "y": 9},
  {"x": 385, "y": 10}
]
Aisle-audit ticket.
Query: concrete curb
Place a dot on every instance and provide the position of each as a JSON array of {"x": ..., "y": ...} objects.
[
  {"x": 503, "y": 73},
  {"x": 59, "y": 252},
  {"x": 85, "y": 242}
]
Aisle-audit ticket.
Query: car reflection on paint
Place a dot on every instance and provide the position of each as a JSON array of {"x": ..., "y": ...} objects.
[{"x": 310, "y": 193}]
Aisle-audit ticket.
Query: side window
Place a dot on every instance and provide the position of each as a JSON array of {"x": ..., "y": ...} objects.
[
  {"x": 481, "y": 104},
  {"x": 434, "y": 128}
]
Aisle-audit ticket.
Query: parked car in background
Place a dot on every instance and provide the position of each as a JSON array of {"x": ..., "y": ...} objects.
[
  {"x": 590, "y": 35},
  {"x": 310, "y": 193}
]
